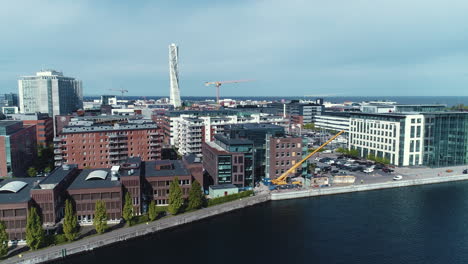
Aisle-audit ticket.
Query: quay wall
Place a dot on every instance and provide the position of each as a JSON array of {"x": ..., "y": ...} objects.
[
  {"x": 87, "y": 244},
  {"x": 364, "y": 187}
]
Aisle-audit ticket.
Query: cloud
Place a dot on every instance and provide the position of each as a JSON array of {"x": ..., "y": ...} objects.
[{"x": 355, "y": 47}]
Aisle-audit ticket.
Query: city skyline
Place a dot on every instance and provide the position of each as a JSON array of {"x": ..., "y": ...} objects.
[{"x": 294, "y": 48}]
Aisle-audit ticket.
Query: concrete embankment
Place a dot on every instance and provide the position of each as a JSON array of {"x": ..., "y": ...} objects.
[
  {"x": 87, "y": 244},
  {"x": 364, "y": 187}
]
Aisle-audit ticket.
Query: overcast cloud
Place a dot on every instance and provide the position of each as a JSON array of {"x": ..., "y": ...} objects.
[{"x": 290, "y": 47}]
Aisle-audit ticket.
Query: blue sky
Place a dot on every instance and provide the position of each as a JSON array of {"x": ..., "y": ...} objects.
[{"x": 293, "y": 47}]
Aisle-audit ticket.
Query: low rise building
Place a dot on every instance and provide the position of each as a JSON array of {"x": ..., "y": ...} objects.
[
  {"x": 160, "y": 174},
  {"x": 91, "y": 186},
  {"x": 15, "y": 201},
  {"x": 51, "y": 192},
  {"x": 222, "y": 190}
]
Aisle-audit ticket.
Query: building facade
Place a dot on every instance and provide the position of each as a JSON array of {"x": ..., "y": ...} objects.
[
  {"x": 187, "y": 130},
  {"x": 44, "y": 126},
  {"x": 160, "y": 174},
  {"x": 229, "y": 161},
  {"x": 397, "y": 137},
  {"x": 445, "y": 139},
  {"x": 102, "y": 146},
  {"x": 91, "y": 186},
  {"x": 19, "y": 148},
  {"x": 282, "y": 153},
  {"x": 333, "y": 121},
  {"x": 49, "y": 92}
]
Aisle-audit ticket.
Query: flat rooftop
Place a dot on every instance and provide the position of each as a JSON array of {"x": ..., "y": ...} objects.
[
  {"x": 56, "y": 176},
  {"x": 178, "y": 168},
  {"x": 21, "y": 196},
  {"x": 81, "y": 183}
]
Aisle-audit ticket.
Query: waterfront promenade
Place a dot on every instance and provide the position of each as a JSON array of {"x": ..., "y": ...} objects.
[
  {"x": 118, "y": 235},
  {"x": 90, "y": 243}
]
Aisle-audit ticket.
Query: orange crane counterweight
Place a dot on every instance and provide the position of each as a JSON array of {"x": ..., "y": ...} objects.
[{"x": 281, "y": 180}]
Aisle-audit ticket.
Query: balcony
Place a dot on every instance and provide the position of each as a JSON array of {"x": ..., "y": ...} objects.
[
  {"x": 57, "y": 145},
  {"x": 57, "y": 151},
  {"x": 58, "y": 157},
  {"x": 58, "y": 163},
  {"x": 116, "y": 136},
  {"x": 155, "y": 144},
  {"x": 154, "y": 134}
]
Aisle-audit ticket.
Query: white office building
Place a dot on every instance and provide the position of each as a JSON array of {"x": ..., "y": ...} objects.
[
  {"x": 396, "y": 137},
  {"x": 49, "y": 92},
  {"x": 333, "y": 121}
]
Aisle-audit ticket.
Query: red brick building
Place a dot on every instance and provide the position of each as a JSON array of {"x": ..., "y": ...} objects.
[
  {"x": 94, "y": 185},
  {"x": 159, "y": 174},
  {"x": 19, "y": 148},
  {"x": 15, "y": 201},
  {"x": 44, "y": 126},
  {"x": 102, "y": 146},
  {"x": 50, "y": 193},
  {"x": 282, "y": 154}
]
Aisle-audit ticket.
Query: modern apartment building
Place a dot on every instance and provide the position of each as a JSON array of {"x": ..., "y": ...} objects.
[
  {"x": 187, "y": 130},
  {"x": 282, "y": 153},
  {"x": 49, "y": 92},
  {"x": 102, "y": 145},
  {"x": 44, "y": 126},
  {"x": 19, "y": 148},
  {"x": 229, "y": 161}
]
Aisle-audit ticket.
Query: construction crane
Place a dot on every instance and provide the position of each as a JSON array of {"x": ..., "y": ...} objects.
[
  {"x": 218, "y": 84},
  {"x": 122, "y": 91},
  {"x": 282, "y": 180}
]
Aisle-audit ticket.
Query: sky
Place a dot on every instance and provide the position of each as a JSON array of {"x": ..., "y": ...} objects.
[{"x": 289, "y": 47}]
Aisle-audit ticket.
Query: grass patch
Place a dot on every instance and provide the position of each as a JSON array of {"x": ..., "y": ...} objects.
[{"x": 228, "y": 198}]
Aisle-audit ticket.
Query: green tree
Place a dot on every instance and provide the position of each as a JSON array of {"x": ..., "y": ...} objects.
[
  {"x": 100, "y": 217},
  {"x": 353, "y": 153},
  {"x": 70, "y": 222},
  {"x": 3, "y": 239},
  {"x": 128, "y": 208},
  {"x": 152, "y": 213},
  {"x": 35, "y": 235},
  {"x": 32, "y": 172},
  {"x": 309, "y": 126},
  {"x": 195, "y": 199},
  {"x": 175, "y": 197},
  {"x": 47, "y": 170}
]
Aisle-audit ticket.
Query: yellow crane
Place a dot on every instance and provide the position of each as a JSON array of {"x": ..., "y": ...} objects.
[{"x": 281, "y": 180}]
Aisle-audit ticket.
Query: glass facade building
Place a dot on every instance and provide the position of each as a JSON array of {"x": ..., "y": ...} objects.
[{"x": 446, "y": 139}]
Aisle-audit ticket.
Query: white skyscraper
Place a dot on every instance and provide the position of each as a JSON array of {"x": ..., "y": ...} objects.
[
  {"x": 49, "y": 92},
  {"x": 174, "y": 75}
]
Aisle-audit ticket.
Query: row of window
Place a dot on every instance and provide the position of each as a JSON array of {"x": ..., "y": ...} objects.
[
  {"x": 96, "y": 196},
  {"x": 287, "y": 154},
  {"x": 287, "y": 145}
]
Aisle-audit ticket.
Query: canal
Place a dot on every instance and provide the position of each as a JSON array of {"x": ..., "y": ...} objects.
[{"x": 424, "y": 224}]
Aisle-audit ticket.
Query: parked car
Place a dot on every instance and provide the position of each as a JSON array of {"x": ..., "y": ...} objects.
[
  {"x": 397, "y": 178},
  {"x": 378, "y": 166},
  {"x": 368, "y": 170},
  {"x": 465, "y": 171},
  {"x": 387, "y": 170}
]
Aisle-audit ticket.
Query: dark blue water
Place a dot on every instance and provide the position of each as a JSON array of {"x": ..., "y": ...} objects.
[
  {"x": 448, "y": 100},
  {"x": 414, "y": 225}
]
